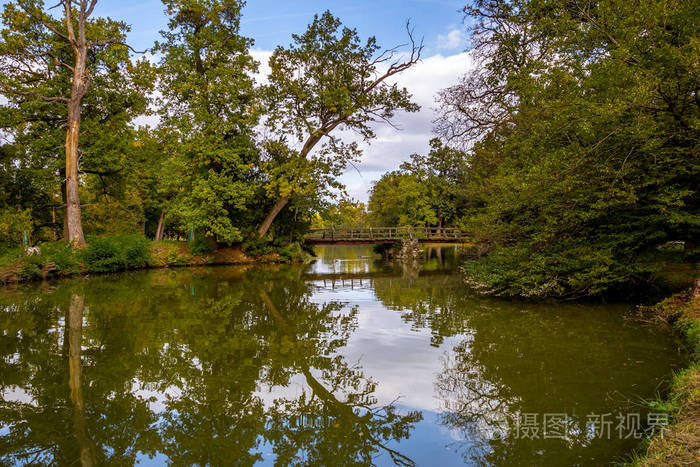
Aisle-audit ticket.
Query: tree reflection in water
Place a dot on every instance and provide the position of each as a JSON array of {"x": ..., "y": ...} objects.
[
  {"x": 352, "y": 429},
  {"x": 238, "y": 365},
  {"x": 75, "y": 342},
  {"x": 105, "y": 374},
  {"x": 505, "y": 359}
]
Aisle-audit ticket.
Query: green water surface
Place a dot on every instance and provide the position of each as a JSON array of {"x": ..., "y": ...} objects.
[{"x": 349, "y": 361}]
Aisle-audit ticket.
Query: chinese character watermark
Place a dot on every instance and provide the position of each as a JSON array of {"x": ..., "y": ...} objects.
[{"x": 600, "y": 426}]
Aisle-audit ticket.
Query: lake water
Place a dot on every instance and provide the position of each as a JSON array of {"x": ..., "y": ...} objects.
[{"x": 349, "y": 361}]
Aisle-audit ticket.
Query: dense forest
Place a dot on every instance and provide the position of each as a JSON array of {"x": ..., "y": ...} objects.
[{"x": 569, "y": 151}]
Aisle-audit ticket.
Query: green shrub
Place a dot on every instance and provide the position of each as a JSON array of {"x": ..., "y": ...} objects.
[
  {"x": 29, "y": 272},
  {"x": 174, "y": 257},
  {"x": 200, "y": 247},
  {"x": 102, "y": 255},
  {"x": 14, "y": 223},
  {"x": 61, "y": 254},
  {"x": 10, "y": 254},
  {"x": 135, "y": 250},
  {"x": 115, "y": 253},
  {"x": 255, "y": 246},
  {"x": 290, "y": 252}
]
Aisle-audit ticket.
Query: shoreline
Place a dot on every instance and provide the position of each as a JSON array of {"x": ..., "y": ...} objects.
[
  {"x": 680, "y": 443},
  {"x": 163, "y": 255}
]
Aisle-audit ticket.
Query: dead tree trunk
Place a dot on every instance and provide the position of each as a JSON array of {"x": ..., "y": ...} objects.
[
  {"x": 29, "y": 69},
  {"x": 79, "y": 86},
  {"x": 64, "y": 203},
  {"x": 73, "y": 217}
]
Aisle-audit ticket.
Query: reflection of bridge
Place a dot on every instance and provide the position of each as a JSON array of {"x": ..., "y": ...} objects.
[
  {"x": 384, "y": 235},
  {"x": 360, "y": 279},
  {"x": 363, "y": 275}
]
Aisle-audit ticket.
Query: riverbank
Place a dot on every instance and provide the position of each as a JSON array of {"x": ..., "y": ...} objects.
[
  {"x": 680, "y": 443},
  {"x": 132, "y": 252}
]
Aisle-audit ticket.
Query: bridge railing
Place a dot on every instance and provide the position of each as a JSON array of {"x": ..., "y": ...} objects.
[{"x": 386, "y": 233}]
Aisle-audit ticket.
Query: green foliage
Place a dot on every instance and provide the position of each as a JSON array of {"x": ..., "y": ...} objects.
[
  {"x": 13, "y": 225},
  {"x": 343, "y": 213},
  {"x": 200, "y": 246},
  {"x": 102, "y": 255},
  {"x": 208, "y": 112},
  {"x": 582, "y": 140},
  {"x": 29, "y": 272},
  {"x": 443, "y": 174},
  {"x": 10, "y": 254},
  {"x": 290, "y": 252},
  {"x": 115, "y": 253},
  {"x": 427, "y": 191},
  {"x": 174, "y": 257},
  {"x": 257, "y": 247},
  {"x": 401, "y": 199},
  {"x": 62, "y": 255}
]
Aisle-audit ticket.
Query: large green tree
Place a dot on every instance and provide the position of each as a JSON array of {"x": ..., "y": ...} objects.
[
  {"x": 426, "y": 190},
  {"x": 443, "y": 173},
  {"x": 582, "y": 124},
  {"x": 401, "y": 199},
  {"x": 48, "y": 62},
  {"x": 326, "y": 80},
  {"x": 49, "y": 65},
  {"x": 209, "y": 108}
]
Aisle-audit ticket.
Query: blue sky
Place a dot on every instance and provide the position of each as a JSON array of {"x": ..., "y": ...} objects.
[{"x": 272, "y": 22}]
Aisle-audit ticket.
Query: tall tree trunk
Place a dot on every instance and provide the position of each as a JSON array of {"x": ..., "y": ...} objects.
[
  {"x": 75, "y": 334},
  {"x": 79, "y": 86},
  {"x": 73, "y": 218},
  {"x": 265, "y": 226},
  {"x": 159, "y": 229}
]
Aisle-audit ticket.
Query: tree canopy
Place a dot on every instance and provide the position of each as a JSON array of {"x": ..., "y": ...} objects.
[
  {"x": 425, "y": 191},
  {"x": 205, "y": 164},
  {"x": 327, "y": 79},
  {"x": 208, "y": 111},
  {"x": 581, "y": 124}
]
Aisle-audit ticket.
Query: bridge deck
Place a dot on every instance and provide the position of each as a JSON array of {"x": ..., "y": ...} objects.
[{"x": 385, "y": 235}]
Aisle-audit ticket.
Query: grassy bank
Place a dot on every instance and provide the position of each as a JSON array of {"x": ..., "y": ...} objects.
[
  {"x": 127, "y": 252},
  {"x": 680, "y": 444}
]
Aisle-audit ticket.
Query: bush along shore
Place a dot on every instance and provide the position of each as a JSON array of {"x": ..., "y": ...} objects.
[
  {"x": 679, "y": 445},
  {"x": 132, "y": 251}
]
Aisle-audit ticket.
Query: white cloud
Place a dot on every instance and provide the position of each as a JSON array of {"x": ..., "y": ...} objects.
[
  {"x": 263, "y": 59},
  {"x": 453, "y": 40},
  {"x": 392, "y": 147}
]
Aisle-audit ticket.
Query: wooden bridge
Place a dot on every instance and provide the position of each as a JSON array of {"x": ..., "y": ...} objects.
[{"x": 369, "y": 235}]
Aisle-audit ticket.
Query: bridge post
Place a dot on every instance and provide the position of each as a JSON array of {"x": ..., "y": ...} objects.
[{"x": 371, "y": 236}]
